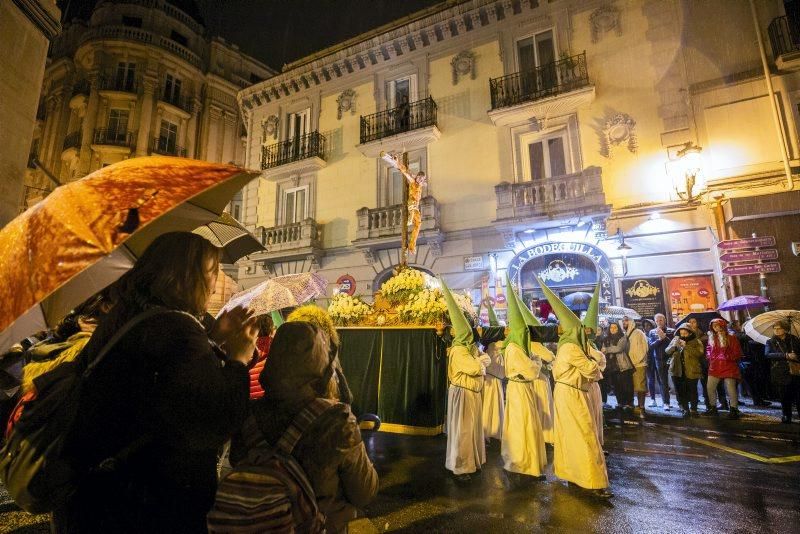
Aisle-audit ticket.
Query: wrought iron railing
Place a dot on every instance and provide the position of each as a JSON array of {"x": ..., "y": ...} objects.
[
  {"x": 562, "y": 76},
  {"x": 784, "y": 35},
  {"x": 127, "y": 84},
  {"x": 178, "y": 101},
  {"x": 166, "y": 147},
  {"x": 110, "y": 136},
  {"x": 73, "y": 140},
  {"x": 308, "y": 146},
  {"x": 404, "y": 118}
]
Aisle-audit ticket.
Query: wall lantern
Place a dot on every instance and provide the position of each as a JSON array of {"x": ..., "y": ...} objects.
[
  {"x": 687, "y": 170},
  {"x": 623, "y": 249}
]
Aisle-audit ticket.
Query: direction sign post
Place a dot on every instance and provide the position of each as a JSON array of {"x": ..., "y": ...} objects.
[
  {"x": 750, "y": 255},
  {"x": 748, "y": 242},
  {"x": 752, "y": 268}
]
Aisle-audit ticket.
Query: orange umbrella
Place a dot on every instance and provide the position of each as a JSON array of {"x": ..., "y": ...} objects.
[{"x": 87, "y": 233}]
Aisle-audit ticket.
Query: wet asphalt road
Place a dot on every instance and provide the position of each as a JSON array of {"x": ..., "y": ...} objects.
[{"x": 668, "y": 476}]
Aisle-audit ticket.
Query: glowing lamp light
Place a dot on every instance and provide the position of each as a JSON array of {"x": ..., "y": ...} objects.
[{"x": 689, "y": 181}]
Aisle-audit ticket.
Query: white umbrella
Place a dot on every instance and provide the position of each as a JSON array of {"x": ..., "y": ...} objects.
[
  {"x": 759, "y": 328},
  {"x": 278, "y": 293}
]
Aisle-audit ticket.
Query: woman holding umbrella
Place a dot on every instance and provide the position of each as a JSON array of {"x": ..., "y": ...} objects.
[{"x": 783, "y": 349}]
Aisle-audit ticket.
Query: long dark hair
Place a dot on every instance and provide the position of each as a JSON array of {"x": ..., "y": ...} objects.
[{"x": 170, "y": 273}]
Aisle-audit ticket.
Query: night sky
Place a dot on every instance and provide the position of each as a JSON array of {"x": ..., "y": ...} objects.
[{"x": 281, "y": 31}]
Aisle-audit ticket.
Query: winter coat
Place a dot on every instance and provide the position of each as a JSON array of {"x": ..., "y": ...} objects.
[
  {"x": 658, "y": 346},
  {"x": 616, "y": 354},
  {"x": 637, "y": 345},
  {"x": 262, "y": 346},
  {"x": 331, "y": 453},
  {"x": 776, "y": 351},
  {"x": 173, "y": 397},
  {"x": 685, "y": 362},
  {"x": 723, "y": 362}
]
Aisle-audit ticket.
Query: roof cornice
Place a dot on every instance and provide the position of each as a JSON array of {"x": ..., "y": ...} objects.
[{"x": 383, "y": 45}]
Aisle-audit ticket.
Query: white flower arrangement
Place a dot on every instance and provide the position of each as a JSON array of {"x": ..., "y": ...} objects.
[
  {"x": 425, "y": 307},
  {"x": 400, "y": 287},
  {"x": 346, "y": 310}
]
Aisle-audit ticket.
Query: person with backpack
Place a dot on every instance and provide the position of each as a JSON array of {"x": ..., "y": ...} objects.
[
  {"x": 300, "y": 432},
  {"x": 161, "y": 399}
]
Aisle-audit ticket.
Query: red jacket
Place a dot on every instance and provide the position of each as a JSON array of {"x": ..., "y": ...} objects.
[
  {"x": 262, "y": 345},
  {"x": 723, "y": 362}
]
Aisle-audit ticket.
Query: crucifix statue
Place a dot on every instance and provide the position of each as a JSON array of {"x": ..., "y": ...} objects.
[{"x": 412, "y": 195}]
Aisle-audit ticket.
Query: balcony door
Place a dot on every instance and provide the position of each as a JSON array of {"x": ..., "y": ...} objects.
[
  {"x": 536, "y": 56},
  {"x": 117, "y": 125},
  {"x": 546, "y": 158},
  {"x": 125, "y": 76},
  {"x": 295, "y": 205},
  {"x": 298, "y": 126},
  {"x": 399, "y": 89},
  {"x": 168, "y": 138}
]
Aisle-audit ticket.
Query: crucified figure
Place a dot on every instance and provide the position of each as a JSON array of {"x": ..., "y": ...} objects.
[{"x": 415, "y": 185}]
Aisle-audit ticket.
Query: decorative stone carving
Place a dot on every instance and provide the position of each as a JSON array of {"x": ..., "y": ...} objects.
[
  {"x": 346, "y": 102},
  {"x": 369, "y": 256},
  {"x": 270, "y": 126},
  {"x": 604, "y": 19},
  {"x": 463, "y": 63},
  {"x": 619, "y": 129}
]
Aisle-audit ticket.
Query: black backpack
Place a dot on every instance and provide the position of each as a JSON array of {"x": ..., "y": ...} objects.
[{"x": 33, "y": 466}]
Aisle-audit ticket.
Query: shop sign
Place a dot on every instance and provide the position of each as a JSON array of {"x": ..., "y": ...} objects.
[
  {"x": 690, "y": 294},
  {"x": 347, "y": 284},
  {"x": 748, "y": 242},
  {"x": 750, "y": 255},
  {"x": 752, "y": 268},
  {"x": 473, "y": 263},
  {"x": 645, "y": 296}
]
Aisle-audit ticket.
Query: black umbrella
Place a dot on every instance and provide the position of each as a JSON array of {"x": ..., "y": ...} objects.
[
  {"x": 578, "y": 301},
  {"x": 703, "y": 319},
  {"x": 234, "y": 239}
]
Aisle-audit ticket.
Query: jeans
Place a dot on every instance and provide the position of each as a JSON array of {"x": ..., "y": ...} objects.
[
  {"x": 623, "y": 387},
  {"x": 790, "y": 394},
  {"x": 711, "y": 392},
  {"x": 662, "y": 374},
  {"x": 686, "y": 390}
]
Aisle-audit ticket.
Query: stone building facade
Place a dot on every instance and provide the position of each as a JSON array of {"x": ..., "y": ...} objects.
[
  {"x": 577, "y": 140},
  {"x": 139, "y": 77}
]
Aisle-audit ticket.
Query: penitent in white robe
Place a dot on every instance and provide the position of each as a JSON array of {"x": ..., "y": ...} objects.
[
  {"x": 493, "y": 399},
  {"x": 595, "y": 395},
  {"x": 577, "y": 454},
  {"x": 523, "y": 443},
  {"x": 466, "y": 450},
  {"x": 543, "y": 390}
]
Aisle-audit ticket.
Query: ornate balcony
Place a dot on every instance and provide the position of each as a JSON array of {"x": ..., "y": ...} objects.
[
  {"x": 289, "y": 242},
  {"x": 553, "y": 89},
  {"x": 127, "y": 33},
  {"x": 406, "y": 127},
  {"x": 382, "y": 227},
  {"x": 570, "y": 196},
  {"x": 784, "y": 37},
  {"x": 183, "y": 103},
  {"x": 73, "y": 140},
  {"x": 166, "y": 147},
  {"x": 105, "y": 137},
  {"x": 117, "y": 84},
  {"x": 295, "y": 156}
]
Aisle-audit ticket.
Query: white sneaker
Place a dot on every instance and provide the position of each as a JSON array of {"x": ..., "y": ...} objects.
[{"x": 653, "y": 404}]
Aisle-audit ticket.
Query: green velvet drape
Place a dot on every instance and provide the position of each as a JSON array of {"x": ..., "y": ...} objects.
[{"x": 398, "y": 374}]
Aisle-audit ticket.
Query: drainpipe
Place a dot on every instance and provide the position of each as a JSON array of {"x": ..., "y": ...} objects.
[{"x": 773, "y": 105}]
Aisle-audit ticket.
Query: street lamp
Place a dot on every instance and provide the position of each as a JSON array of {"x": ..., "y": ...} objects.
[
  {"x": 690, "y": 178},
  {"x": 623, "y": 249}
]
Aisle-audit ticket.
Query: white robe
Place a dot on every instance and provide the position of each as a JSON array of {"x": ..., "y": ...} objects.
[
  {"x": 577, "y": 454},
  {"x": 543, "y": 390},
  {"x": 493, "y": 399},
  {"x": 466, "y": 450},
  {"x": 595, "y": 395},
  {"x": 523, "y": 443}
]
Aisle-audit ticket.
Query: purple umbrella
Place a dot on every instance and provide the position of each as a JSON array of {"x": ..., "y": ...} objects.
[{"x": 743, "y": 302}]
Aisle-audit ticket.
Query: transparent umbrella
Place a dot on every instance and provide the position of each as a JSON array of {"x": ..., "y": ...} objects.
[
  {"x": 280, "y": 292},
  {"x": 759, "y": 328}
]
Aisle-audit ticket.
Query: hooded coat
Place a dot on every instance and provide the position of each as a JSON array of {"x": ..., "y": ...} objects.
[
  {"x": 331, "y": 452},
  {"x": 723, "y": 353},
  {"x": 686, "y": 361}
]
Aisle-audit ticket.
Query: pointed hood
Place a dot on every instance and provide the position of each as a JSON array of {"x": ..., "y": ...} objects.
[
  {"x": 493, "y": 321},
  {"x": 516, "y": 321},
  {"x": 527, "y": 314},
  {"x": 462, "y": 335},
  {"x": 567, "y": 320},
  {"x": 591, "y": 319},
  {"x": 277, "y": 319}
]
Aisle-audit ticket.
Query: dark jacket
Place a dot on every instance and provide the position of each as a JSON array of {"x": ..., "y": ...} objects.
[
  {"x": 686, "y": 362},
  {"x": 169, "y": 392},
  {"x": 776, "y": 351},
  {"x": 332, "y": 455},
  {"x": 658, "y": 347}
]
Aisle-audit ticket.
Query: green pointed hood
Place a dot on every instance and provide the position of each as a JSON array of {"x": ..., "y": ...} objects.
[
  {"x": 567, "y": 320},
  {"x": 462, "y": 331},
  {"x": 277, "y": 319},
  {"x": 591, "y": 319},
  {"x": 516, "y": 321},
  {"x": 493, "y": 321},
  {"x": 527, "y": 314}
]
